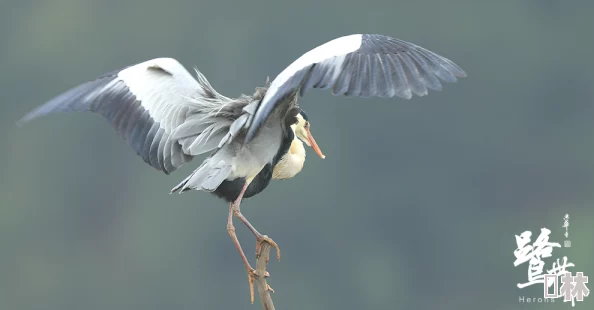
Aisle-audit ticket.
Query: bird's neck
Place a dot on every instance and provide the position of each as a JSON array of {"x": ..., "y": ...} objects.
[
  {"x": 291, "y": 162},
  {"x": 297, "y": 149},
  {"x": 287, "y": 140}
]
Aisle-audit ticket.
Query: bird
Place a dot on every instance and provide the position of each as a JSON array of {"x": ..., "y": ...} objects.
[{"x": 168, "y": 116}]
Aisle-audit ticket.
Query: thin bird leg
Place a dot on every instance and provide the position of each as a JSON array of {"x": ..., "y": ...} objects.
[
  {"x": 231, "y": 229},
  {"x": 259, "y": 237},
  {"x": 250, "y": 271}
]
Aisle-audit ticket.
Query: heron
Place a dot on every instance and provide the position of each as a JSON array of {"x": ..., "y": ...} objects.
[{"x": 168, "y": 116}]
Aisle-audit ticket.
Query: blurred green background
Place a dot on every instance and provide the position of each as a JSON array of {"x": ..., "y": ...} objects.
[{"x": 415, "y": 207}]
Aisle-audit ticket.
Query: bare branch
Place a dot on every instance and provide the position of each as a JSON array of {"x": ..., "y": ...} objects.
[{"x": 263, "y": 288}]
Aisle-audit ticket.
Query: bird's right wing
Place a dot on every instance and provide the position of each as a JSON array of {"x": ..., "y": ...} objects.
[
  {"x": 359, "y": 65},
  {"x": 166, "y": 115}
]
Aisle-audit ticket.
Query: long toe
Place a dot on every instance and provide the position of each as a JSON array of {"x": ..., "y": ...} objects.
[{"x": 251, "y": 274}]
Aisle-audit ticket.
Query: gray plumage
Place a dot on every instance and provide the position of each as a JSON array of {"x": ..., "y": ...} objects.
[
  {"x": 368, "y": 65},
  {"x": 168, "y": 117},
  {"x": 165, "y": 114}
]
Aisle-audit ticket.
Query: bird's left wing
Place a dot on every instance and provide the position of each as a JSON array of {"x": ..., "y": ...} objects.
[
  {"x": 165, "y": 114},
  {"x": 363, "y": 65}
]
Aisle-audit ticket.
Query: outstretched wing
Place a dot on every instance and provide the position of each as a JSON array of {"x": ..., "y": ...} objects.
[
  {"x": 166, "y": 115},
  {"x": 362, "y": 65}
]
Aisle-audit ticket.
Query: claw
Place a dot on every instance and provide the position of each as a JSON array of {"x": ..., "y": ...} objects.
[
  {"x": 268, "y": 240},
  {"x": 252, "y": 274}
]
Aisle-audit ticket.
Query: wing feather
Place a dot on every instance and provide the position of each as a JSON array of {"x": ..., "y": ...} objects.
[
  {"x": 155, "y": 106},
  {"x": 365, "y": 65}
]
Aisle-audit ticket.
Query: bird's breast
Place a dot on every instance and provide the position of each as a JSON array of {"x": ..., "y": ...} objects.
[{"x": 291, "y": 163}]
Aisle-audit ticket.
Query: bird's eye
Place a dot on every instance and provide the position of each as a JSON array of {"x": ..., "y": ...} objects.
[{"x": 306, "y": 125}]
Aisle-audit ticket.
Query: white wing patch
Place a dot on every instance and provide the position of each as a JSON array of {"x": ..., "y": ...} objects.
[
  {"x": 161, "y": 97},
  {"x": 337, "y": 47}
]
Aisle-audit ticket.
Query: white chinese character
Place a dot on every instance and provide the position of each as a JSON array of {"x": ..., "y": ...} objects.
[
  {"x": 574, "y": 288},
  {"x": 534, "y": 253}
]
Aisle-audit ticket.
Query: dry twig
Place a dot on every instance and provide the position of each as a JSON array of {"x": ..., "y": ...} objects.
[{"x": 260, "y": 277}]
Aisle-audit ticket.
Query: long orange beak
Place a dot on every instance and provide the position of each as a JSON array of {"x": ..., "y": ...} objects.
[{"x": 313, "y": 144}]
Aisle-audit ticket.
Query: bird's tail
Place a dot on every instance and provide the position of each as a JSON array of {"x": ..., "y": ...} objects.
[{"x": 206, "y": 178}]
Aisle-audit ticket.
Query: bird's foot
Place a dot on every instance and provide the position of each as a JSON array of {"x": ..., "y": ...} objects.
[
  {"x": 263, "y": 238},
  {"x": 252, "y": 274}
]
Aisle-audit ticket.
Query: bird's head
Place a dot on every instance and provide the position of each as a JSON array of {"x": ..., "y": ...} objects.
[{"x": 303, "y": 132}]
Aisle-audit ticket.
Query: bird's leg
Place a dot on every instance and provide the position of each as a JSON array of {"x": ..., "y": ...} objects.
[
  {"x": 250, "y": 270},
  {"x": 235, "y": 209},
  {"x": 259, "y": 237}
]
